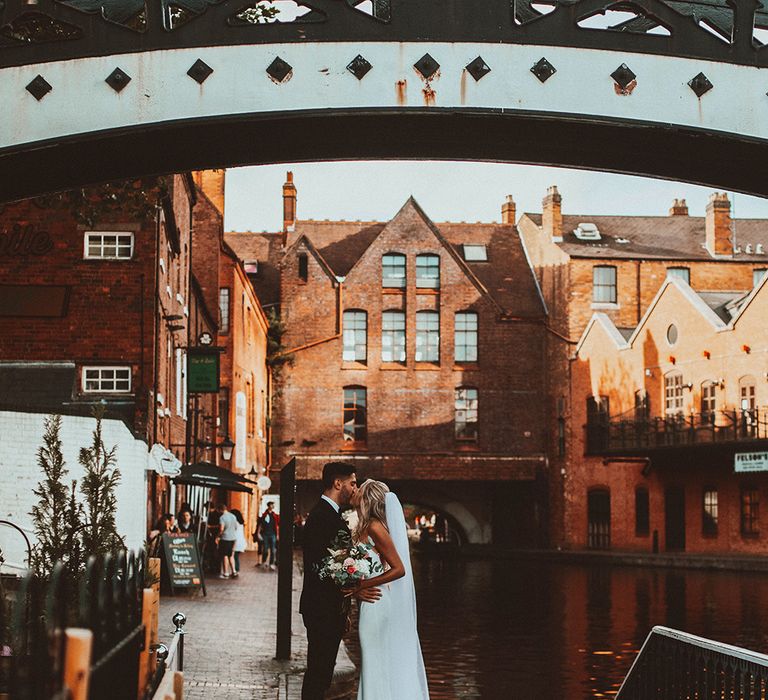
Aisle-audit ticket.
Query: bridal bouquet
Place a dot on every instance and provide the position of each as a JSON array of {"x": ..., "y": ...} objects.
[{"x": 347, "y": 562}]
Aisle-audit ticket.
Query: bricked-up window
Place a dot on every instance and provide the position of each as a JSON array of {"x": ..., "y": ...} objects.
[
  {"x": 642, "y": 512},
  {"x": 681, "y": 273},
  {"x": 465, "y": 413},
  {"x": 393, "y": 336},
  {"x": 749, "y": 511},
  {"x": 709, "y": 514},
  {"x": 642, "y": 406},
  {"x": 355, "y": 336},
  {"x": 604, "y": 284},
  {"x": 428, "y": 271},
  {"x": 708, "y": 402},
  {"x": 223, "y": 413},
  {"x": 757, "y": 275},
  {"x": 427, "y": 336},
  {"x": 393, "y": 270},
  {"x": 355, "y": 415},
  {"x": 106, "y": 379},
  {"x": 107, "y": 245},
  {"x": 303, "y": 267},
  {"x": 224, "y": 307},
  {"x": 673, "y": 394},
  {"x": 465, "y": 336}
]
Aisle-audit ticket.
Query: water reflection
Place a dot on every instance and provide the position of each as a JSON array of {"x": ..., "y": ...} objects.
[{"x": 528, "y": 629}]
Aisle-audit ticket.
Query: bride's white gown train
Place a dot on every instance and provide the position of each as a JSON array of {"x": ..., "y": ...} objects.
[{"x": 392, "y": 666}]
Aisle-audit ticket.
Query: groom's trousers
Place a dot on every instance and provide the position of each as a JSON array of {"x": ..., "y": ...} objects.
[{"x": 323, "y": 637}]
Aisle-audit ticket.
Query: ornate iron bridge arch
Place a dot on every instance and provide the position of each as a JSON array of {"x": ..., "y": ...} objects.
[{"x": 100, "y": 89}]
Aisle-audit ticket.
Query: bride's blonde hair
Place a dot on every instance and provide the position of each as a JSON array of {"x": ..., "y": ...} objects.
[{"x": 371, "y": 506}]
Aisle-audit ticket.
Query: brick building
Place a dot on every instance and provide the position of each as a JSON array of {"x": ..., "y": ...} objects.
[
  {"x": 241, "y": 414},
  {"x": 96, "y": 307},
  {"x": 676, "y": 429},
  {"x": 401, "y": 334},
  {"x": 615, "y": 265}
]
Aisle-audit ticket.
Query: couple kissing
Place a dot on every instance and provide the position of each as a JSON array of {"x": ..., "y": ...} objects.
[{"x": 373, "y": 565}]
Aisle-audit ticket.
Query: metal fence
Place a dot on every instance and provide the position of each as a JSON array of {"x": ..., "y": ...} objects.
[
  {"x": 675, "y": 665},
  {"x": 105, "y": 598}
]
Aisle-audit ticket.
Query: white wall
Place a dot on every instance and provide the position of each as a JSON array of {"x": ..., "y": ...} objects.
[{"x": 21, "y": 434}]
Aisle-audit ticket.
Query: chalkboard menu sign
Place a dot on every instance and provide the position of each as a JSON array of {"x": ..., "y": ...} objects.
[{"x": 182, "y": 560}]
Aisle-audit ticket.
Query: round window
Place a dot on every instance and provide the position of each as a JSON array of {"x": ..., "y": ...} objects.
[{"x": 672, "y": 334}]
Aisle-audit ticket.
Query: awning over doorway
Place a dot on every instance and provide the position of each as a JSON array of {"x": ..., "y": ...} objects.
[{"x": 207, "y": 474}]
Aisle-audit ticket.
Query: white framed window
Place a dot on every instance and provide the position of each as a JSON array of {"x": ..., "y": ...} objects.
[
  {"x": 393, "y": 270},
  {"x": 604, "y": 284},
  {"x": 475, "y": 252},
  {"x": 427, "y": 336},
  {"x": 428, "y": 271},
  {"x": 355, "y": 340},
  {"x": 465, "y": 336},
  {"x": 393, "y": 336},
  {"x": 673, "y": 394},
  {"x": 101, "y": 380},
  {"x": 107, "y": 245}
]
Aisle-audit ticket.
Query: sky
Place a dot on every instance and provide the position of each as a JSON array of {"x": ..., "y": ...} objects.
[{"x": 450, "y": 191}]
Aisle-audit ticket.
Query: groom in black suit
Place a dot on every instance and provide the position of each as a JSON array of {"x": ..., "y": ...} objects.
[{"x": 322, "y": 601}]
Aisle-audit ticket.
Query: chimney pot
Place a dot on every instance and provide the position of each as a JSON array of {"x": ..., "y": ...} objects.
[
  {"x": 679, "y": 208},
  {"x": 508, "y": 211},
  {"x": 289, "y": 203},
  {"x": 551, "y": 215},
  {"x": 718, "y": 225}
]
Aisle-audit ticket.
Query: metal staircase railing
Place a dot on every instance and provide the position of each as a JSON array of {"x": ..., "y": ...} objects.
[{"x": 676, "y": 665}]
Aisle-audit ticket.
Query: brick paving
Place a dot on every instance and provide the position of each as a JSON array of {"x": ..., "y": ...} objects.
[{"x": 229, "y": 647}]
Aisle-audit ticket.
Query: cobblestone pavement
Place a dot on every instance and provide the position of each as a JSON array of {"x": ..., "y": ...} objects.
[{"x": 229, "y": 647}]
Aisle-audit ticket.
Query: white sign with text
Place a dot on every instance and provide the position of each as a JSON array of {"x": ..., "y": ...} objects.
[{"x": 751, "y": 462}]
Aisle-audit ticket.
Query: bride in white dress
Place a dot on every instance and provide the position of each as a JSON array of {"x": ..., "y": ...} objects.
[{"x": 392, "y": 666}]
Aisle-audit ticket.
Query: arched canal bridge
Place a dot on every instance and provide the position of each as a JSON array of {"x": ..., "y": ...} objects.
[{"x": 103, "y": 89}]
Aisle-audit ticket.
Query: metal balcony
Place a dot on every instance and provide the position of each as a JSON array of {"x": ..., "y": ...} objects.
[{"x": 649, "y": 435}]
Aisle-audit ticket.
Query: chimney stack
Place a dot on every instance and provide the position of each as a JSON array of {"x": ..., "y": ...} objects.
[
  {"x": 679, "y": 208},
  {"x": 718, "y": 225},
  {"x": 289, "y": 203},
  {"x": 211, "y": 182},
  {"x": 508, "y": 211},
  {"x": 551, "y": 214}
]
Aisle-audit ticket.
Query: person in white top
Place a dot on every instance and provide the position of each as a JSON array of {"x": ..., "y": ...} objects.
[
  {"x": 227, "y": 537},
  {"x": 240, "y": 543}
]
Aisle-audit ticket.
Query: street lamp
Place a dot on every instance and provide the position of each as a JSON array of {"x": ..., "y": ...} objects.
[{"x": 226, "y": 446}]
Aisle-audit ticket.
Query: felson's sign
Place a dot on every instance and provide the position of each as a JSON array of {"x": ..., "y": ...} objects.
[{"x": 751, "y": 462}]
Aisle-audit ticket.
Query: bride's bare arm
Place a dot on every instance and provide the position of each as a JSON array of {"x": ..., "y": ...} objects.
[{"x": 388, "y": 553}]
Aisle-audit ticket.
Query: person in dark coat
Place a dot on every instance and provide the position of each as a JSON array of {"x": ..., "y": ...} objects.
[{"x": 321, "y": 603}]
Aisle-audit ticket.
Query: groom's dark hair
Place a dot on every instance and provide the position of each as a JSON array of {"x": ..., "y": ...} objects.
[{"x": 336, "y": 470}]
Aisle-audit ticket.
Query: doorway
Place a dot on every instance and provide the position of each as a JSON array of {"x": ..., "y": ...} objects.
[{"x": 599, "y": 519}]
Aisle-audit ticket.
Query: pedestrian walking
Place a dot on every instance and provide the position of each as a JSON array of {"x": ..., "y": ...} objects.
[
  {"x": 227, "y": 537},
  {"x": 269, "y": 528},
  {"x": 240, "y": 543}
]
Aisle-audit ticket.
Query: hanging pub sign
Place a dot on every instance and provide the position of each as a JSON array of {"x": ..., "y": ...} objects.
[
  {"x": 203, "y": 372},
  {"x": 182, "y": 561},
  {"x": 750, "y": 462}
]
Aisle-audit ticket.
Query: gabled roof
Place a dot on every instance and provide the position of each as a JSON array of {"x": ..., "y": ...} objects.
[
  {"x": 311, "y": 248},
  {"x": 601, "y": 319},
  {"x": 656, "y": 237}
]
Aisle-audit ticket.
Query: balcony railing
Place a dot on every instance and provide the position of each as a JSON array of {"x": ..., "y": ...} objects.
[{"x": 677, "y": 430}]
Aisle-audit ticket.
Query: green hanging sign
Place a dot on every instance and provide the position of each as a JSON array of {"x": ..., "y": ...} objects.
[{"x": 203, "y": 372}]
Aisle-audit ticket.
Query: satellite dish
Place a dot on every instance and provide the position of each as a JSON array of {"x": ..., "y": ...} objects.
[{"x": 264, "y": 482}]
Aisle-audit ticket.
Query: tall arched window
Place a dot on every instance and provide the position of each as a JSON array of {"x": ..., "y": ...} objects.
[
  {"x": 748, "y": 405},
  {"x": 355, "y": 420},
  {"x": 393, "y": 336},
  {"x": 708, "y": 402},
  {"x": 393, "y": 270},
  {"x": 355, "y": 336},
  {"x": 673, "y": 393},
  {"x": 466, "y": 413},
  {"x": 427, "y": 336},
  {"x": 428, "y": 271}
]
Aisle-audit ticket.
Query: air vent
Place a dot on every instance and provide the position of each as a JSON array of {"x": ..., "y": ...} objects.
[
  {"x": 587, "y": 232},
  {"x": 623, "y": 241}
]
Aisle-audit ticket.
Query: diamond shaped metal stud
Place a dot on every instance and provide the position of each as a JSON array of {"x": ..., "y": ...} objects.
[
  {"x": 358, "y": 66},
  {"x": 117, "y": 79},
  {"x": 427, "y": 66},
  {"x": 543, "y": 69},
  {"x": 623, "y": 76},
  {"x": 39, "y": 88},
  {"x": 199, "y": 71},
  {"x": 478, "y": 68},
  {"x": 700, "y": 84},
  {"x": 278, "y": 70}
]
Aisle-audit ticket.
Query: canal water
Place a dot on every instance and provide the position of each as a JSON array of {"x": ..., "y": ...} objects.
[{"x": 515, "y": 630}]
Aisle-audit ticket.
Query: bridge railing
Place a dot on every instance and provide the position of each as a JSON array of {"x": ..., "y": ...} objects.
[{"x": 676, "y": 665}]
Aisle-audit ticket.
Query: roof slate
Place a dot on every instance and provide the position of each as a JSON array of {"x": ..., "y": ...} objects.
[{"x": 656, "y": 237}]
